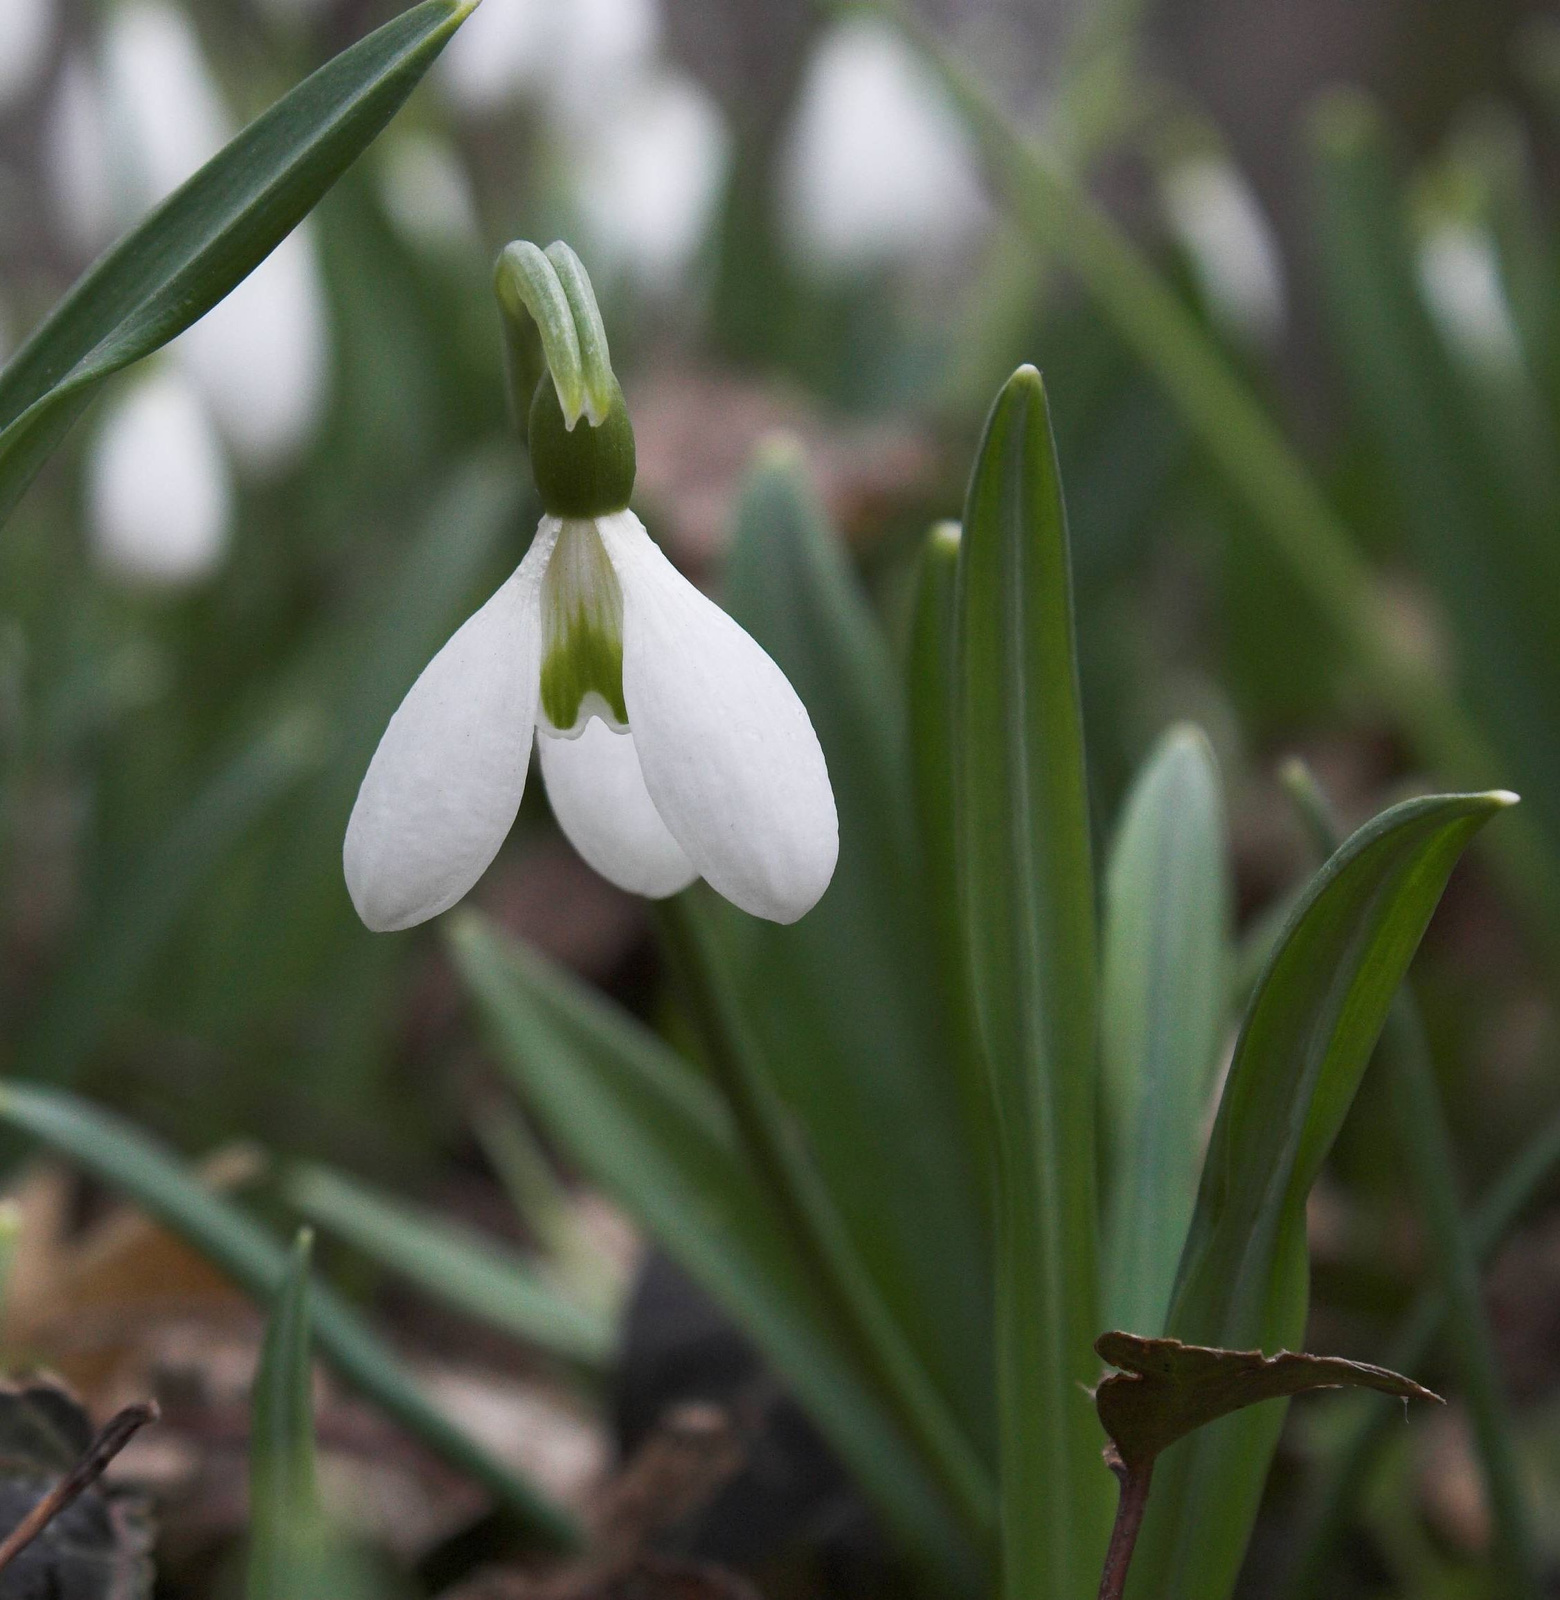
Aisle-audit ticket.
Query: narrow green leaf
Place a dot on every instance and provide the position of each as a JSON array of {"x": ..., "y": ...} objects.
[
  {"x": 846, "y": 1005},
  {"x": 151, "y": 891},
  {"x": 122, "y": 1157},
  {"x": 284, "y": 1512},
  {"x": 1165, "y": 1006},
  {"x": 1289, "y": 509},
  {"x": 1342, "y": 1483},
  {"x": 1027, "y": 894},
  {"x": 933, "y": 696},
  {"x": 457, "y": 1265},
  {"x": 1480, "y": 529},
  {"x": 209, "y": 234},
  {"x": 651, "y": 1132},
  {"x": 1243, "y": 1283}
]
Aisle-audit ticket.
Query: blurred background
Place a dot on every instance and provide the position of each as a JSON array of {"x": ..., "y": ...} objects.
[{"x": 217, "y": 593}]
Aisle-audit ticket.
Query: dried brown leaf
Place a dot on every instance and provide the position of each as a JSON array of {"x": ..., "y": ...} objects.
[{"x": 1164, "y": 1389}]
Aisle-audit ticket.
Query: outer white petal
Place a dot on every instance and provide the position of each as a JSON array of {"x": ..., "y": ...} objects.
[
  {"x": 599, "y": 798},
  {"x": 728, "y": 753},
  {"x": 445, "y": 783}
]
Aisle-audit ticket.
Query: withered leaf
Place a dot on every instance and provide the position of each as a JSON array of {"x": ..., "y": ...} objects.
[
  {"x": 98, "y": 1547},
  {"x": 1164, "y": 1389}
]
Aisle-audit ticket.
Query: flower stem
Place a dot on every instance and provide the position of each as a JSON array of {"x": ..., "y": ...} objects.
[
  {"x": 792, "y": 1181},
  {"x": 1130, "y": 1507}
]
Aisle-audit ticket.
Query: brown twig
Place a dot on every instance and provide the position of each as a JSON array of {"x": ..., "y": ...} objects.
[
  {"x": 116, "y": 1434},
  {"x": 1133, "y": 1503}
]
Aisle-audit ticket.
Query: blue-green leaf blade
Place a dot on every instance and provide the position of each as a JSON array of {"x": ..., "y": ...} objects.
[
  {"x": 1165, "y": 1003},
  {"x": 284, "y": 1512},
  {"x": 845, "y": 1004},
  {"x": 209, "y": 234},
  {"x": 1027, "y": 893},
  {"x": 655, "y": 1135},
  {"x": 475, "y": 1275},
  {"x": 1309, "y": 1032},
  {"x": 125, "y": 1159}
]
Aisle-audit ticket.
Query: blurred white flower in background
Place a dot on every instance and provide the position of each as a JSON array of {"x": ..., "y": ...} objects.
[
  {"x": 426, "y": 191},
  {"x": 125, "y": 135},
  {"x": 1459, "y": 273},
  {"x": 644, "y": 147},
  {"x": 1219, "y": 223},
  {"x": 159, "y": 498},
  {"x": 26, "y": 36},
  {"x": 878, "y": 166},
  {"x": 76, "y": 152},
  {"x": 574, "y": 54},
  {"x": 649, "y": 177}
]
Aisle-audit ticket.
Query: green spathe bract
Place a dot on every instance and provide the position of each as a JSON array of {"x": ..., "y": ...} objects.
[
  {"x": 582, "y": 471},
  {"x": 565, "y": 396}
]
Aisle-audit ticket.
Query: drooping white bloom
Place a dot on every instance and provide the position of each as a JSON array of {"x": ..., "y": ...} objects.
[
  {"x": 878, "y": 165},
  {"x": 426, "y": 191},
  {"x": 648, "y": 174},
  {"x": 671, "y": 745},
  {"x": 576, "y": 53},
  {"x": 262, "y": 356},
  {"x": 26, "y": 32},
  {"x": 1223, "y": 230},
  {"x": 156, "y": 114},
  {"x": 158, "y": 496},
  {"x": 76, "y": 156},
  {"x": 1460, "y": 275}
]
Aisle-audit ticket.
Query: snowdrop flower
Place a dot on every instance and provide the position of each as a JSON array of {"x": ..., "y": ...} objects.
[
  {"x": 426, "y": 192},
  {"x": 672, "y": 747},
  {"x": 158, "y": 497},
  {"x": 1221, "y": 226},
  {"x": 26, "y": 33},
  {"x": 1459, "y": 274},
  {"x": 649, "y": 173},
  {"x": 128, "y": 134},
  {"x": 878, "y": 166},
  {"x": 576, "y": 53}
]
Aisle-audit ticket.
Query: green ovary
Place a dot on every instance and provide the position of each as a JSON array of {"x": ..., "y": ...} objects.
[{"x": 582, "y": 653}]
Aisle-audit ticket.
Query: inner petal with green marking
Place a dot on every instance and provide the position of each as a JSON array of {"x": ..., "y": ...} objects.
[{"x": 582, "y": 635}]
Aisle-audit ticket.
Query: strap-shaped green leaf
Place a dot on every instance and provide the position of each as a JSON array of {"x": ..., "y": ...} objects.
[
  {"x": 653, "y": 1133},
  {"x": 284, "y": 1512},
  {"x": 1309, "y": 1032},
  {"x": 1027, "y": 892},
  {"x": 209, "y": 234},
  {"x": 127, "y": 1160},
  {"x": 1165, "y": 1008},
  {"x": 456, "y": 1265},
  {"x": 845, "y": 1004}
]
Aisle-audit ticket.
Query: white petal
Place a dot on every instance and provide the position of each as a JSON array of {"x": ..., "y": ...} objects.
[
  {"x": 159, "y": 501},
  {"x": 445, "y": 783},
  {"x": 728, "y": 753},
  {"x": 599, "y": 798}
]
